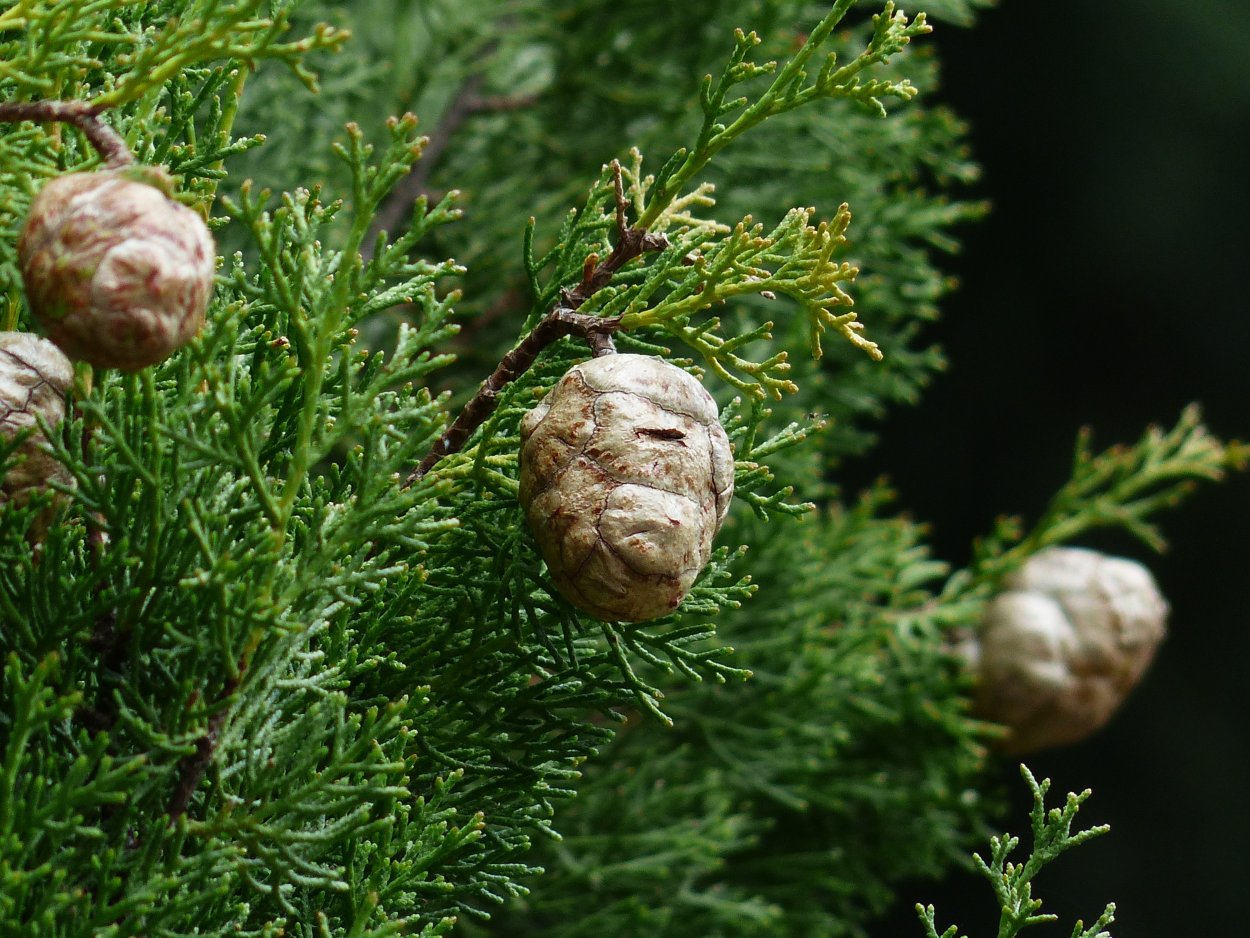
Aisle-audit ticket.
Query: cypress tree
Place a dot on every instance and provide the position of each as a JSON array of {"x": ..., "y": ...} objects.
[{"x": 281, "y": 654}]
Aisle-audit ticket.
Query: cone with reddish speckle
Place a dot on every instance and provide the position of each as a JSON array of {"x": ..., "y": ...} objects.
[
  {"x": 117, "y": 273},
  {"x": 626, "y": 476}
]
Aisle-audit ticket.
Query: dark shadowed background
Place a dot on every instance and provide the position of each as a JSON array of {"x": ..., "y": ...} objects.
[{"x": 1107, "y": 288}]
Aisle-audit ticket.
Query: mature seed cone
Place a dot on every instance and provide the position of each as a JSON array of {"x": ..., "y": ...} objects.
[
  {"x": 626, "y": 476},
  {"x": 1061, "y": 646},
  {"x": 117, "y": 273},
  {"x": 34, "y": 377}
]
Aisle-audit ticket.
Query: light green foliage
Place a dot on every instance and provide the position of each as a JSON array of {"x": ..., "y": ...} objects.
[
  {"x": 789, "y": 90},
  {"x": 1120, "y": 487},
  {"x": 255, "y": 685},
  {"x": 1013, "y": 882}
]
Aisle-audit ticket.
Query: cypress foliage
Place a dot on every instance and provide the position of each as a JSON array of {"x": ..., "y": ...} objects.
[{"x": 256, "y": 683}]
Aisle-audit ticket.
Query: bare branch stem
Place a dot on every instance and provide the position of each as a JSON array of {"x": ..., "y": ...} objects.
[
  {"x": 81, "y": 114},
  {"x": 192, "y": 767},
  {"x": 560, "y": 322}
]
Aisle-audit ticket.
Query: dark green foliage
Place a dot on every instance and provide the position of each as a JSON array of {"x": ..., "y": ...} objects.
[
  {"x": 254, "y": 684},
  {"x": 768, "y": 799}
]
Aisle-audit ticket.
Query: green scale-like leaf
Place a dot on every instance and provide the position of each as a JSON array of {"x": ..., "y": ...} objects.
[{"x": 255, "y": 684}]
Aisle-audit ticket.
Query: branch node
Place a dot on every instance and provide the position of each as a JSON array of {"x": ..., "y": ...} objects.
[{"x": 563, "y": 320}]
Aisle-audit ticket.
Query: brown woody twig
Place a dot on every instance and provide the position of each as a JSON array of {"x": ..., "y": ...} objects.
[
  {"x": 81, "y": 114},
  {"x": 562, "y": 321},
  {"x": 555, "y": 325},
  {"x": 192, "y": 767}
]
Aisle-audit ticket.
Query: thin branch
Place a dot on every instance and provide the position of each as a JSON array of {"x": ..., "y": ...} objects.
[
  {"x": 631, "y": 242},
  {"x": 392, "y": 213},
  {"x": 81, "y": 114},
  {"x": 493, "y": 103},
  {"x": 191, "y": 769},
  {"x": 562, "y": 321}
]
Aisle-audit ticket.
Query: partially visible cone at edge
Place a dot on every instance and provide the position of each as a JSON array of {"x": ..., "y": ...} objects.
[{"x": 35, "y": 376}]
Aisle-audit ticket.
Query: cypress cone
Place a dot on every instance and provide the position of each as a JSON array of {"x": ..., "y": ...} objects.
[
  {"x": 117, "y": 273},
  {"x": 1062, "y": 645},
  {"x": 35, "y": 376},
  {"x": 626, "y": 476}
]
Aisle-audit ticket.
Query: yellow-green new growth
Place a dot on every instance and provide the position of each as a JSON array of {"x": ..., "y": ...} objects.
[
  {"x": 796, "y": 259},
  {"x": 709, "y": 264},
  {"x": 892, "y": 31}
]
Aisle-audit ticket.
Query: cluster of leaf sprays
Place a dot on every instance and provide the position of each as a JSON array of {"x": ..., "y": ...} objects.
[{"x": 626, "y": 474}]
